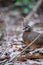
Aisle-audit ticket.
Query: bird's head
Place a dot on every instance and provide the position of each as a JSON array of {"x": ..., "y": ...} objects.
[{"x": 27, "y": 28}]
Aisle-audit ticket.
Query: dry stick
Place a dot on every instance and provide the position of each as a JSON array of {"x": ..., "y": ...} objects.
[
  {"x": 32, "y": 52},
  {"x": 34, "y": 10}
]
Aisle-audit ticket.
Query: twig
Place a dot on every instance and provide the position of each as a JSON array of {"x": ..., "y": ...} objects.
[
  {"x": 34, "y": 10},
  {"x": 36, "y": 50}
]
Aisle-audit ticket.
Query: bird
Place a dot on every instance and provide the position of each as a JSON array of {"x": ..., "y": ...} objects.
[{"x": 29, "y": 36}]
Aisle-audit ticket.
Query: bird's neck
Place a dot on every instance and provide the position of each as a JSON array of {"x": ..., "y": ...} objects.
[{"x": 26, "y": 32}]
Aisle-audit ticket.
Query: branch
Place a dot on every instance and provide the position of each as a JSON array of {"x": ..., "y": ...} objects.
[{"x": 34, "y": 10}]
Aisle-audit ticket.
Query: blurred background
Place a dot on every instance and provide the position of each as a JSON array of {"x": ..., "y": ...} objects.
[{"x": 13, "y": 15}]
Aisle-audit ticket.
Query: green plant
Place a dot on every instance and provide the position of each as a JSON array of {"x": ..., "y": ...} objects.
[{"x": 24, "y": 5}]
